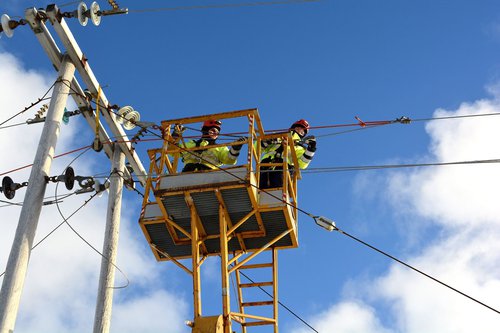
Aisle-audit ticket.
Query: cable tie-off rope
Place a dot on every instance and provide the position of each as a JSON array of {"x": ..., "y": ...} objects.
[{"x": 361, "y": 123}]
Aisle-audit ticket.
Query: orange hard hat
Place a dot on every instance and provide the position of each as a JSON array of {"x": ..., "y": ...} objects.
[
  {"x": 301, "y": 123},
  {"x": 212, "y": 123}
]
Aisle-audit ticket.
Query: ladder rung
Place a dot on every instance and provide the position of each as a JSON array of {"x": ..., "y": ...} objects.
[
  {"x": 258, "y": 323},
  {"x": 256, "y": 284},
  {"x": 256, "y": 266},
  {"x": 257, "y": 303}
]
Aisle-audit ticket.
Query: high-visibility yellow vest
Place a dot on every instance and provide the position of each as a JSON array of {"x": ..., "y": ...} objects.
[
  {"x": 211, "y": 157},
  {"x": 274, "y": 152}
]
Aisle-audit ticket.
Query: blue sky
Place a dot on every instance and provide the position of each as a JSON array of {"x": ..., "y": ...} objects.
[{"x": 326, "y": 61}]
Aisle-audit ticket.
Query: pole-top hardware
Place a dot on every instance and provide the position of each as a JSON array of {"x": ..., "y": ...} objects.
[
  {"x": 9, "y": 188},
  {"x": 97, "y": 145},
  {"x": 87, "y": 183},
  {"x": 68, "y": 178},
  {"x": 128, "y": 117},
  {"x": 39, "y": 119},
  {"x": 7, "y": 25},
  {"x": 83, "y": 13}
]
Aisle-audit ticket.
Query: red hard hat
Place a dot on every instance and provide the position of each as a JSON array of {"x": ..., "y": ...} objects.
[
  {"x": 301, "y": 123},
  {"x": 212, "y": 123}
]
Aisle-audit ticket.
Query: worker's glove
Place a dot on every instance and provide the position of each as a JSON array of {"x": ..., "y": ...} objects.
[
  {"x": 177, "y": 131},
  {"x": 308, "y": 138},
  {"x": 268, "y": 142},
  {"x": 238, "y": 147},
  {"x": 311, "y": 143}
]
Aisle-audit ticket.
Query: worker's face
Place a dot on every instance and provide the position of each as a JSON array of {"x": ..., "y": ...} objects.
[
  {"x": 213, "y": 133},
  {"x": 300, "y": 131}
]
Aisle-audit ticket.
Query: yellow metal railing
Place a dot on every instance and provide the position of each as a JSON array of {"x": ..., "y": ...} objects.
[{"x": 164, "y": 162}]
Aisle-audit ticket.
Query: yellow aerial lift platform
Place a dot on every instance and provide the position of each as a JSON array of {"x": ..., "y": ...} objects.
[{"x": 189, "y": 216}]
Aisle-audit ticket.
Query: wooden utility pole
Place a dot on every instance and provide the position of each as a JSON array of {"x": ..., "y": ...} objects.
[
  {"x": 17, "y": 264},
  {"x": 104, "y": 305}
]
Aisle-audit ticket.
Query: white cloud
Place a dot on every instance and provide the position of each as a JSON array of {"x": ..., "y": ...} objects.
[
  {"x": 347, "y": 317},
  {"x": 460, "y": 205},
  {"x": 466, "y": 262},
  {"x": 61, "y": 285},
  {"x": 164, "y": 314},
  {"x": 458, "y": 195}
]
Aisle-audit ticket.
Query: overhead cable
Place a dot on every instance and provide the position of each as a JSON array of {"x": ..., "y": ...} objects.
[
  {"x": 280, "y": 303},
  {"x": 228, "y": 5},
  {"x": 8, "y": 126},
  {"x": 65, "y": 220},
  {"x": 32, "y": 104},
  {"x": 46, "y": 202},
  {"x": 56, "y": 156},
  {"x": 78, "y": 234},
  {"x": 416, "y": 270},
  {"x": 459, "y": 116},
  {"x": 60, "y": 224},
  {"x": 394, "y": 166},
  {"x": 333, "y": 227}
]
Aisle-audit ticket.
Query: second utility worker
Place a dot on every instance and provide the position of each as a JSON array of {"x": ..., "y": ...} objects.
[
  {"x": 272, "y": 152},
  {"x": 207, "y": 158}
]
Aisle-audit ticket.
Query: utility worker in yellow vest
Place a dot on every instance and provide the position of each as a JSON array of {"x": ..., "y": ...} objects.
[
  {"x": 207, "y": 158},
  {"x": 272, "y": 152}
]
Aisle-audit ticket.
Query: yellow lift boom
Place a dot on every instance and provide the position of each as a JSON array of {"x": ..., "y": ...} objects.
[{"x": 187, "y": 217}]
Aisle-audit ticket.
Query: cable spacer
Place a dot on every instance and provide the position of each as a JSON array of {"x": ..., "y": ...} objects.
[{"x": 325, "y": 223}]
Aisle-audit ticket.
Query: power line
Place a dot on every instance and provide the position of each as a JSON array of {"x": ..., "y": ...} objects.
[
  {"x": 362, "y": 125},
  {"x": 9, "y": 126},
  {"x": 394, "y": 258},
  {"x": 9, "y": 204},
  {"x": 356, "y": 168},
  {"x": 228, "y": 5},
  {"x": 131, "y": 187},
  {"x": 280, "y": 303},
  {"x": 60, "y": 224},
  {"x": 394, "y": 166},
  {"x": 370, "y": 246},
  {"x": 45, "y": 203},
  {"x": 56, "y": 156},
  {"x": 69, "y": 4},
  {"x": 458, "y": 117},
  {"x": 362, "y": 242},
  {"x": 77, "y": 233},
  {"x": 65, "y": 220},
  {"x": 32, "y": 104},
  {"x": 416, "y": 270}
]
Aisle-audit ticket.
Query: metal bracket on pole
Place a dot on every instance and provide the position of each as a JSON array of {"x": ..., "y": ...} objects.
[
  {"x": 33, "y": 16},
  {"x": 83, "y": 67}
]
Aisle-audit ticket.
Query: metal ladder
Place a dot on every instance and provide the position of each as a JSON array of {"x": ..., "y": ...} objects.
[{"x": 259, "y": 320}]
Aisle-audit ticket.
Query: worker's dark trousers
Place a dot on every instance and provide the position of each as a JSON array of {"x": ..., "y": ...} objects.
[
  {"x": 195, "y": 167},
  {"x": 272, "y": 177}
]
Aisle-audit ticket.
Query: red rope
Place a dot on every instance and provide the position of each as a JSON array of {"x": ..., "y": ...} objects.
[{"x": 57, "y": 156}]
